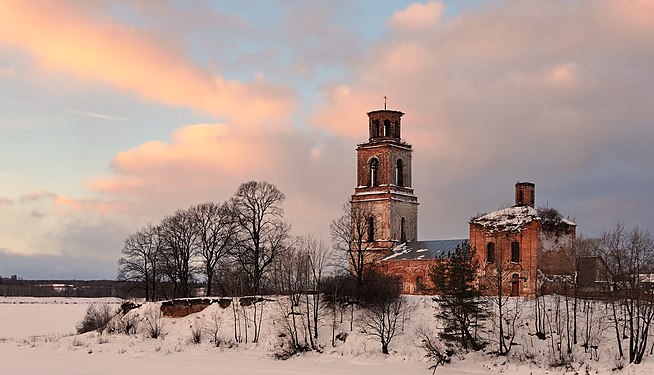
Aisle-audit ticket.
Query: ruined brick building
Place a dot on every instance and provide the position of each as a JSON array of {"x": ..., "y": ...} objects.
[{"x": 527, "y": 248}]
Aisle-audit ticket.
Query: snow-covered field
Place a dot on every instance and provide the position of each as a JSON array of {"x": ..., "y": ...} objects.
[{"x": 37, "y": 337}]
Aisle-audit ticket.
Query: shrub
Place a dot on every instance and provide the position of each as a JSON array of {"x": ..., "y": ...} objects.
[
  {"x": 154, "y": 323},
  {"x": 96, "y": 318},
  {"x": 197, "y": 331}
]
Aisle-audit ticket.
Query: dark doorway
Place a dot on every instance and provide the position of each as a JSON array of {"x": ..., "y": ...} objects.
[{"x": 515, "y": 285}]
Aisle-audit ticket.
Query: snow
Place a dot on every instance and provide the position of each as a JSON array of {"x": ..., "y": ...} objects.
[
  {"x": 397, "y": 251},
  {"x": 508, "y": 219},
  {"x": 36, "y": 337},
  {"x": 62, "y": 315}
]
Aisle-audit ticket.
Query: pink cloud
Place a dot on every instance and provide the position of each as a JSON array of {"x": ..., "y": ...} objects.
[
  {"x": 207, "y": 162},
  {"x": 76, "y": 39},
  {"x": 417, "y": 17}
]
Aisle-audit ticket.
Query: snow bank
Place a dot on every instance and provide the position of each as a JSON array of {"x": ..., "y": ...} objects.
[{"x": 175, "y": 352}]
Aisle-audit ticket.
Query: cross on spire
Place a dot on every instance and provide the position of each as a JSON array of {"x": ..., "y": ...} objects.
[{"x": 385, "y": 98}]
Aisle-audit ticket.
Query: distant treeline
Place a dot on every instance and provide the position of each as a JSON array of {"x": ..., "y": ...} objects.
[{"x": 14, "y": 287}]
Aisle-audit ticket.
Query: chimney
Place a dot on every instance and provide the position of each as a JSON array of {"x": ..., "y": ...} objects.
[{"x": 525, "y": 194}]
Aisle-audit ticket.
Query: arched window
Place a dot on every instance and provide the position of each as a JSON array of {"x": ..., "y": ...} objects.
[
  {"x": 402, "y": 232},
  {"x": 387, "y": 128},
  {"x": 374, "y": 166},
  {"x": 515, "y": 252},
  {"x": 490, "y": 252},
  {"x": 375, "y": 128},
  {"x": 371, "y": 229},
  {"x": 399, "y": 173}
]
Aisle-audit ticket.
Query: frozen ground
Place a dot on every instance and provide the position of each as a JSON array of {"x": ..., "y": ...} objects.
[{"x": 36, "y": 337}]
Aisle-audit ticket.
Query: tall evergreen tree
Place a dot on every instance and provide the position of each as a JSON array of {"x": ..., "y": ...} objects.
[{"x": 462, "y": 309}]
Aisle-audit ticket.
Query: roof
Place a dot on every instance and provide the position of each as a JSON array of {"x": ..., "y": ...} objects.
[
  {"x": 424, "y": 249},
  {"x": 514, "y": 219},
  {"x": 508, "y": 219}
]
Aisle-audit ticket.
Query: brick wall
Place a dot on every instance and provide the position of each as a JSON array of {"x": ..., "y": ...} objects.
[
  {"x": 525, "y": 269},
  {"x": 413, "y": 273}
]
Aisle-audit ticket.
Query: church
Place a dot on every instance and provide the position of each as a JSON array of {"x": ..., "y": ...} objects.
[{"x": 530, "y": 250}]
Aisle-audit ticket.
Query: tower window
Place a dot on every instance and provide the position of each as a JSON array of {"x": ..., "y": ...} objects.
[
  {"x": 402, "y": 231},
  {"x": 399, "y": 173},
  {"x": 515, "y": 252},
  {"x": 374, "y": 167},
  {"x": 387, "y": 128},
  {"x": 375, "y": 128},
  {"x": 490, "y": 252},
  {"x": 371, "y": 229}
]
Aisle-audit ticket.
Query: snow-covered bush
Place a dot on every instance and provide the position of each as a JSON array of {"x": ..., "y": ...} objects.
[{"x": 96, "y": 318}]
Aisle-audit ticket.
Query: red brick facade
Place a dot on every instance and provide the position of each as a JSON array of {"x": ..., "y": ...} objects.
[
  {"x": 503, "y": 265},
  {"x": 413, "y": 273},
  {"x": 384, "y": 182}
]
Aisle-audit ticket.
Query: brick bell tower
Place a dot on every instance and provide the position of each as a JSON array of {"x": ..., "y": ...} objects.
[{"x": 383, "y": 189}]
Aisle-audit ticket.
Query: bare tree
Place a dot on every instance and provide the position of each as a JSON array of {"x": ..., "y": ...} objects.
[
  {"x": 349, "y": 234},
  {"x": 318, "y": 257},
  {"x": 384, "y": 308},
  {"x": 179, "y": 245},
  {"x": 290, "y": 276},
  {"x": 630, "y": 255},
  {"x": 507, "y": 314},
  {"x": 140, "y": 260},
  {"x": 216, "y": 232},
  {"x": 257, "y": 207}
]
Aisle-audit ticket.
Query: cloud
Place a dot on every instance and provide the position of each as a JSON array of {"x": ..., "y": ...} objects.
[
  {"x": 37, "y": 196},
  {"x": 55, "y": 266},
  {"x": 6, "y": 201},
  {"x": 7, "y": 72},
  {"x": 417, "y": 17},
  {"x": 207, "y": 162},
  {"x": 133, "y": 59},
  {"x": 508, "y": 91}
]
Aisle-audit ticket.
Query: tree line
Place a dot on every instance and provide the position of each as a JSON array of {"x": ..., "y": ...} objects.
[{"x": 230, "y": 245}]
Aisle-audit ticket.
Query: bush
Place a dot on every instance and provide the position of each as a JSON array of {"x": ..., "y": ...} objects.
[
  {"x": 96, "y": 318},
  {"x": 197, "y": 332},
  {"x": 433, "y": 352},
  {"x": 154, "y": 323},
  {"x": 127, "y": 324}
]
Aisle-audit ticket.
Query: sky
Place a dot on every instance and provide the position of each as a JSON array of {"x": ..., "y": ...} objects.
[{"x": 114, "y": 113}]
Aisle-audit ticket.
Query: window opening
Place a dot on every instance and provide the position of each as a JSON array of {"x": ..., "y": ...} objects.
[
  {"x": 515, "y": 252},
  {"x": 371, "y": 229},
  {"x": 374, "y": 166},
  {"x": 399, "y": 173},
  {"x": 490, "y": 252}
]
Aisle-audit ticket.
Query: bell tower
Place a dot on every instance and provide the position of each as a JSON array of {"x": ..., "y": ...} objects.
[{"x": 384, "y": 191}]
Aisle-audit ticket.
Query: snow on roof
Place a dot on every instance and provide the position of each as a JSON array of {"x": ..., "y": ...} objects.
[
  {"x": 513, "y": 219},
  {"x": 509, "y": 219},
  {"x": 424, "y": 249}
]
